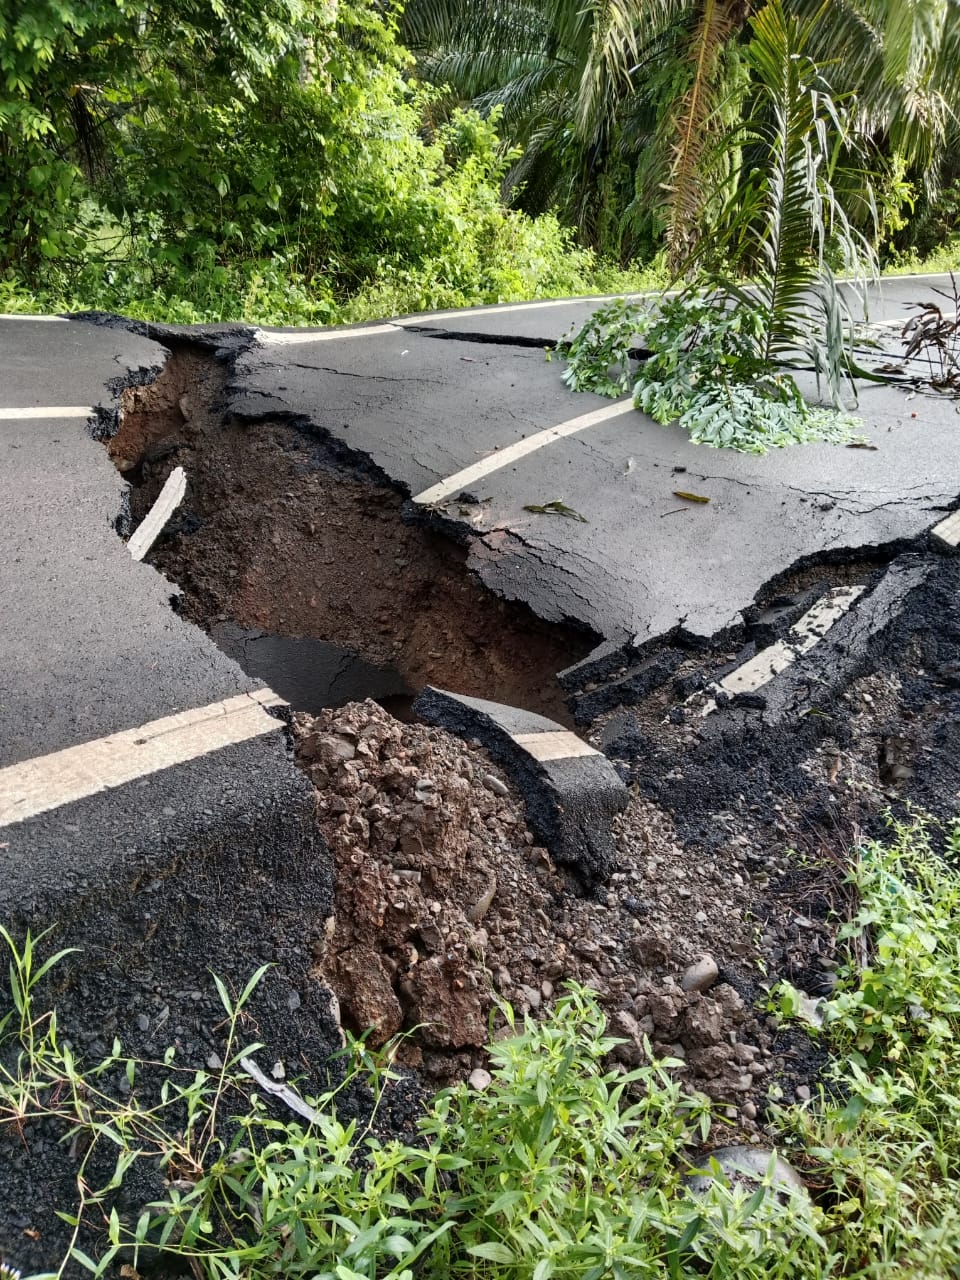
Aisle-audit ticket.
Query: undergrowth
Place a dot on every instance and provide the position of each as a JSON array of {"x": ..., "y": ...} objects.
[
  {"x": 512, "y": 259},
  {"x": 565, "y": 1166}
]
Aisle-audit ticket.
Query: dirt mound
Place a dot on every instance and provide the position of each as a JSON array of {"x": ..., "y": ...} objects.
[{"x": 445, "y": 903}]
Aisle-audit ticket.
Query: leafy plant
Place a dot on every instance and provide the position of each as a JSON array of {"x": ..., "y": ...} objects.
[
  {"x": 709, "y": 369},
  {"x": 884, "y": 1144},
  {"x": 563, "y": 1167}
]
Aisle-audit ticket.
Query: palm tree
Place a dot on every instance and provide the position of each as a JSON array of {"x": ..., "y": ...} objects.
[
  {"x": 562, "y": 76},
  {"x": 624, "y": 106}
]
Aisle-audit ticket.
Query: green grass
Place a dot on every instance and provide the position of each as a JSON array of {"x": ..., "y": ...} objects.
[
  {"x": 530, "y": 260},
  {"x": 565, "y": 1166},
  {"x": 942, "y": 261}
]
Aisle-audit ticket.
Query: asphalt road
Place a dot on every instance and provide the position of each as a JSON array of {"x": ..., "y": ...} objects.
[
  {"x": 430, "y": 397},
  {"x": 148, "y": 804},
  {"x": 149, "y": 809},
  {"x": 442, "y": 405}
]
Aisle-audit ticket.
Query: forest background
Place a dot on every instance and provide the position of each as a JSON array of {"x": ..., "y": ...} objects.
[{"x": 314, "y": 161}]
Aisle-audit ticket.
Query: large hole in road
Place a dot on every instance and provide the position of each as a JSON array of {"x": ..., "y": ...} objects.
[{"x": 298, "y": 563}]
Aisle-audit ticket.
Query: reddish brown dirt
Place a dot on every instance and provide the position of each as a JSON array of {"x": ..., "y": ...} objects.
[
  {"x": 275, "y": 535},
  {"x": 445, "y": 905}
]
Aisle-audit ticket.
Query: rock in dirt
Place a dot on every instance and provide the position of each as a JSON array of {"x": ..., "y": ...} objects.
[
  {"x": 748, "y": 1166},
  {"x": 445, "y": 904},
  {"x": 702, "y": 975}
]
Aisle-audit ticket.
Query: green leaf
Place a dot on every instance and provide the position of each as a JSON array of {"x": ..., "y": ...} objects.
[
  {"x": 556, "y": 508},
  {"x": 493, "y": 1251}
]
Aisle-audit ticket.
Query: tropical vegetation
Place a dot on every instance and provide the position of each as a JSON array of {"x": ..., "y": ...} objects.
[
  {"x": 314, "y": 160},
  {"x": 566, "y": 1166}
]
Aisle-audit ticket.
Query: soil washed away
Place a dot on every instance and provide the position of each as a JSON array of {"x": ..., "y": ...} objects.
[
  {"x": 311, "y": 674},
  {"x": 279, "y": 537}
]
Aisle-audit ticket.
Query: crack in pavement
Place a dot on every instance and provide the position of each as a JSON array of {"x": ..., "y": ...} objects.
[{"x": 365, "y": 377}]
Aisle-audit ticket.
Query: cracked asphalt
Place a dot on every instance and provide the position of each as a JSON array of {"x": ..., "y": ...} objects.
[
  {"x": 180, "y": 869},
  {"x": 425, "y": 397}
]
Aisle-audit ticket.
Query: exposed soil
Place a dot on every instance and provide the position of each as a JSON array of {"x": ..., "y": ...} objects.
[
  {"x": 279, "y": 532},
  {"x": 732, "y": 855},
  {"x": 733, "y": 847},
  {"x": 445, "y": 903},
  {"x": 736, "y": 845}
]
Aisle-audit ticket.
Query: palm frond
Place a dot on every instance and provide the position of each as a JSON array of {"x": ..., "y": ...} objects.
[{"x": 693, "y": 124}]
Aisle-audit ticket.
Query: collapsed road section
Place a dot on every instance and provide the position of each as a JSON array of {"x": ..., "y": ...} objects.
[{"x": 403, "y": 868}]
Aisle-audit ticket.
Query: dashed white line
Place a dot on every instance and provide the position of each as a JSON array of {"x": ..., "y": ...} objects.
[
  {"x": 554, "y": 744},
  {"x": 948, "y": 531},
  {"x": 46, "y": 411},
  {"x": 803, "y": 635},
  {"x": 169, "y": 498},
  {"x": 503, "y": 457},
  {"x": 62, "y": 777}
]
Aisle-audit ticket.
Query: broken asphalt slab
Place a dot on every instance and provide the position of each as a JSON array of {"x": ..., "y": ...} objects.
[
  {"x": 489, "y": 426},
  {"x": 211, "y": 860},
  {"x": 149, "y": 809},
  {"x": 571, "y": 791}
]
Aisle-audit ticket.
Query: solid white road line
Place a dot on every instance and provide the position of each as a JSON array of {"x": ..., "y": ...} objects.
[
  {"x": 470, "y": 313},
  {"x": 149, "y": 529},
  {"x": 554, "y": 744},
  {"x": 62, "y": 777},
  {"x": 47, "y": 411},
  {"x": 503, "y": 457},
  {"x": 323, "y": 335},
  {"x": 12, "y": 315},
  {"x": 427, "y": 317},
  {"x": 948, "y": 531}
]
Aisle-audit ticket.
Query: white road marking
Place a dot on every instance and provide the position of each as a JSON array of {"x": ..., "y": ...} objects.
[
  {"x": 425, "y": 317},
  {"x": 149, "y": 529},
  {"x": 506, "y": 307},
  {"x": 806, "y": 633},
  {"x": 555, "y": 744},
  {"x": 62, "y": 777},
  {"x": 47, "y": 411},
  {"x": 12, "y": 315},
  {"x": 948, "y": 531},
  {"x": 271, "y": 338},
  {"x": 503, "y": 457}
]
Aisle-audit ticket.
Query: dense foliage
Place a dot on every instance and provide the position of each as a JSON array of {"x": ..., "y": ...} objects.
[
  {"x": 267, "y": 161},
  {"x": 292, "y": 161},
  {"x": 624, "y": 112}
]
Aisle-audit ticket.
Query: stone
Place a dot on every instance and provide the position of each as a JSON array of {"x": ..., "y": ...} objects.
[
  {"x": 493, "y": 783},
  {"x": 701, "y": 975},
  {"x": 479, "y": 1079},
  {"x": 747, "y": 1166}
]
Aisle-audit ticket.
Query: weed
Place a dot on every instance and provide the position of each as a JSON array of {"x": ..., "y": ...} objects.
[
  {"x": 565, "y": 1167},
  {"x": 884, "y": 1146},
  {"x": 934, "y": 336},
  {"x": 562, "y": 1167}
]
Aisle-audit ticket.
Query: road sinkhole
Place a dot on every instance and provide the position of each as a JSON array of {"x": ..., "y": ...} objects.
[
  {"x": 296, "y": 559},
  {"x": 312, "y": 674}
]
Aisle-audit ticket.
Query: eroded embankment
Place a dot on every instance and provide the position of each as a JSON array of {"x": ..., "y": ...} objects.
[
  {"x": 444, "y": 900},
  {"x": 278, "y": 534}
]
